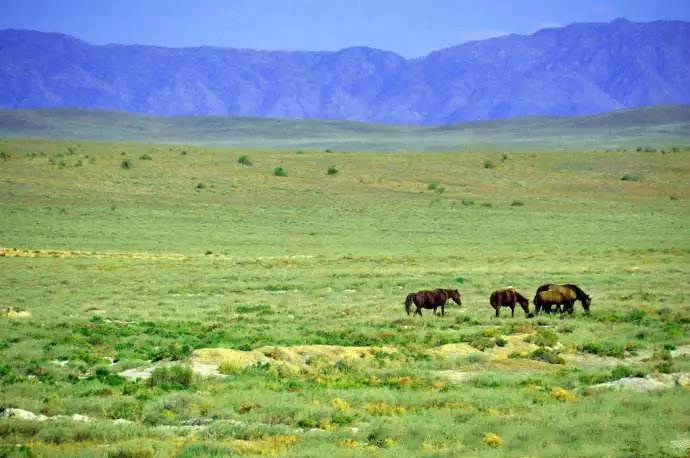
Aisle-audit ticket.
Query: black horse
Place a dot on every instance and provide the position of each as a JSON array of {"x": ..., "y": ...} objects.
[
  {"x": 431, "y": 300},
  {"x": 562, "y": 296}
]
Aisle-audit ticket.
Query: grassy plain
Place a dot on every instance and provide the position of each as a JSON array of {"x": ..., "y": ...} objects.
[{"x": 142, "y": 252}]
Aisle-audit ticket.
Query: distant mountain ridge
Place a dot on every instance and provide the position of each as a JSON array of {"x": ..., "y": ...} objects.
[{"x": 579, "y": 69}]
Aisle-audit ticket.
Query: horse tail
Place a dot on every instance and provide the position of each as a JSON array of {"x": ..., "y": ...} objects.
[
  {"x": 408, "y": 303},
  {"x": 493, "y": 300},
  {"x": 537, "y": 299}
]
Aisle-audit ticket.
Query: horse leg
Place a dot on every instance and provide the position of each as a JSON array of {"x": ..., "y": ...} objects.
[
  {"x": 512, "y": 310},
  {"x": 497, "y": 308},
  {"x": 418, "y": 311},
  {"x": 443, "y": 310}
]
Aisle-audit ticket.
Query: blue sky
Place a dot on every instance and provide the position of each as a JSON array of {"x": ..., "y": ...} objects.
[{"x": 410, "y": 28}]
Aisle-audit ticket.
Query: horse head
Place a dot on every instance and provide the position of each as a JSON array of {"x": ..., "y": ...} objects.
[
  {"x": 455, "y": 295},
  {"x": 586, "y": 300}
]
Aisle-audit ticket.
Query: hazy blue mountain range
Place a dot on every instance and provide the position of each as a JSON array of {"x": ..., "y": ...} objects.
[{"x": 575, "y": 70}]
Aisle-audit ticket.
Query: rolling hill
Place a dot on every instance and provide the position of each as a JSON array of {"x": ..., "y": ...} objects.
[{"x": 665, "y": 125}]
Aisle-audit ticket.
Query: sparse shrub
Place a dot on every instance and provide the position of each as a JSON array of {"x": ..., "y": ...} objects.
[
  {"x": 78, "y": 163},
  {"x": 145, "y": 157},
  {"x": 467, "y": 202},
  {"x": 517, "y": 203},
  {"x": 603, "y": 349},
  {"x": 665, "y": 367},
  {"x": 482, "y": 342},
  {"x": 200, "y": 186},
  {"x": 202, "y": 449},
  {"x": 486, "y": 205},
  {"x": 504, "y": 157},
  {"x": 674, "y": 197},
  {"x": 5, "y": 155},
  {"x": 131, "y": 451},
  {"x": 631, "y": 176},
  {"x": 280, "y": 172},
  {"x": 332, "y": 170},
  {"x": 549, "y": 356},
  {"x": 501, "y": 342},
  {"x": 244, "y": 160},
  {"x": 105, "y": 376},
  {"x": 561, "y": 394},
  {"x": 544, "y": 337},
  {"x": 493, "y": 440},
  {"x": 431, "y": 186},
  {"x": 171, "y": 378},
  {"x": 126, "y": 164},
  {"x": 299, "y": 151},
  {"x": 489, "y": 164}
]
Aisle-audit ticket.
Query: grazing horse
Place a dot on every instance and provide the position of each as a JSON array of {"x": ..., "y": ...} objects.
[
  {"x": 431, "y": 300},
  {"x": 562, "y": 296},
  {"x": 508, "y": 297}
]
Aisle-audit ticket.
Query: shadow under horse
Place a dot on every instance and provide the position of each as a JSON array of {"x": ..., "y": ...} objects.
[
  {"x": 508, "y": 297},
  {"x": 431, "y": 299},
  {"x": 561, "y": 296}
]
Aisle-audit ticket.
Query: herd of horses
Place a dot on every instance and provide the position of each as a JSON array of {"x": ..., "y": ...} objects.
[{"x": 549, "y": 298}]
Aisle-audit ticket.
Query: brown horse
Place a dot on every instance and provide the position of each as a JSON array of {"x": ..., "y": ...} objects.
[
  {"x": 431, "y": 300},
  {"x": 508, "y": 297},
  {"x": 562, "y": 296}
]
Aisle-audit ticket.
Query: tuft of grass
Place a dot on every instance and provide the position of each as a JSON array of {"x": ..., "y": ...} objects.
[
  {"x": 280, "y": 172},
  {"x": 517, "y": 203},
  {"x": 145, "y": 157},
  {"x": 631, "y": 176},
  {"x": 546, "y": 355},
  {"x": 244, "y": 160},
  {"x": 126, "y": 164},
  {"x": 488, "y": 164},
  {"x": 332, "y": 170},
  {"x": 544, "y": 337},
  {"x": 603, "y": 348},
  {"x": 200, "y": 185},
  {"x": 171, "y": 378}
]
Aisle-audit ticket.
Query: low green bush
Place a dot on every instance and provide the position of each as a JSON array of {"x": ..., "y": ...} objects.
[
  {"x": 171, "y": 377},
  {"x": 631, "y": 176},
  {"x": 549, "y": 356}
]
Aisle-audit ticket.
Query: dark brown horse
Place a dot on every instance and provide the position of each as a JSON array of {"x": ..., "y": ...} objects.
[
  {"x": 562, "y": 296},
  {"x": 508, "y": 297},
  {"x": 431, "y": 300}
]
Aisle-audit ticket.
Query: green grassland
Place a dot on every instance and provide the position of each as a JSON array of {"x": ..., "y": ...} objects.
[
  {"x": 146, "y": 252},
  {"x": 662, "y": 126}
]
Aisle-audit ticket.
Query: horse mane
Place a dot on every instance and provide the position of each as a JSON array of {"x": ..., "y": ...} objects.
[
  {"x": 521, "y": 297},
  {"x": 578, "y": 291}
]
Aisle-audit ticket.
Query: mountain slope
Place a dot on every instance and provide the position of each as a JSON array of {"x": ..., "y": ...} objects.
[{"x": 576, "y": 70}]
